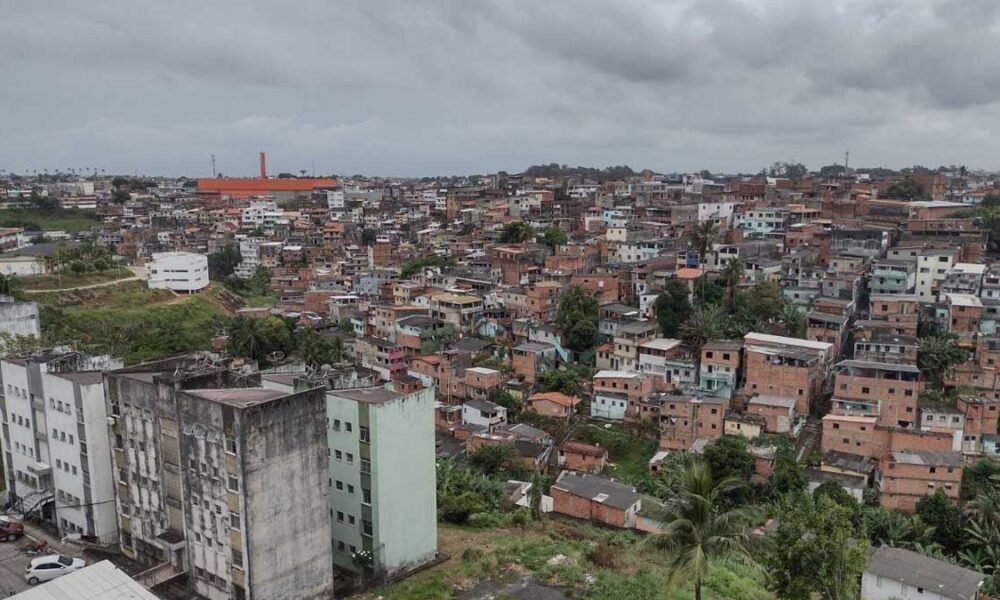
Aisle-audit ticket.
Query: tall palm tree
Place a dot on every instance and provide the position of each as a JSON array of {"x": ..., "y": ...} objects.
[
  {"x": 704, "y": 324},
  {"x": 699, "y": 529},
  {"x": 702, "y": 237},
  {"x": 731, "y": 275}
]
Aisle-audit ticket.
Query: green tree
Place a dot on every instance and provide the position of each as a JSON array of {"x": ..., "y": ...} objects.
[
  {"x": 565, "y": 380},
  {"x": 554, "y": 237},
  {"x": 815, "y": 550},
  {"x": 702, "y": 238},
  {"x": 500, "y": 459},
  {"x": 836, "y": 492},
  {"x": 222, "y": 263},
  {"x": 515, "y": 232},
  {"x": 731, "y": 275},
  {"x": 416, "y": 266},
  {"x": 705, "y": 324},
  {"x": 937, "y": 356},
  {"x": 337, "y": 349},
  {"x": 672, "y": 307},
  {"x": 790, "y": 170},
  {"x": 314, "y": 349},
  {"x": 504, "y": 399},
  {"x": 789, "y": 476},
  {"x": 980, "y": 478},
  {"x": 576, "y": 307},
  {"x": 258, "y": 339},
  {"x": 940, "y": 513},
  {"x": 793, "y": 322},
  {"x": 368, "y": 237},
  {"x": 699, "y": 527},
  {"x": 907, "y": 189},
  {"x": 729, "y": 457},
  {"x": 120, "y": 196}
]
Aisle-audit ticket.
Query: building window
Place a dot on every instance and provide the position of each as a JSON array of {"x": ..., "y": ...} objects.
[
  {"x": 347, "y": 426},
  {"x": 366, "y": 465},
  {"x": 350, "y": 458},
  {"x": 237, "y": 558},
  {"x": 336, "y": 424},
  {"x": 366, "y": 496},
  {"x": 340, "y": 516},
  {"x": 366, "y": 527},
  {"x": 365, "y": 434},
  {"x": 234, "y": 520},
  {"x": 234, "y": 484},
  {"x": 338, "y": 455}
]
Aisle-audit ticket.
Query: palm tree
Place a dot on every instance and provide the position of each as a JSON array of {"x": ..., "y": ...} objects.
[
  {"x": 699, "y": 530},
  {"x": 731, "y": 276},
  {"x": 703, "y": 325},
  {"x": 937, "y": 355},
  {"x": 793, "y": 322},
  {"x": 702, "y": 237}
]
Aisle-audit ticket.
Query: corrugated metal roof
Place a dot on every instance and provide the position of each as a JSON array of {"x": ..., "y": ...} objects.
[{"x": 100, "y": 581}]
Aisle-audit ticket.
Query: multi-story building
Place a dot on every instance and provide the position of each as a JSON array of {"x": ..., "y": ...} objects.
[
  {"x": 178, "y": 271},
  {"x": 933, "y": 265},
  {"x": 906, "y": 476},
  {"x": 222, "y": 479},
  {"x": 57, "y": 457},
  {"x": 685, "y": 419},
  {"x": 892, "y": 277},
  {"x": 886, "y": 391},
  {"x": 782, "y": 366},
  {"x": 720, "y": 366},
  {"x": 382, "y": 470}
]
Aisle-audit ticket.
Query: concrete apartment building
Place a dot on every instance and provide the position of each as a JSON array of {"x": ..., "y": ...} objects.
[
  {"x": 178, "y": 271},
  {"x": 382, "y": 470},
  {"x": 57, "y": 457},
  {"x": 222, "y": 479},
  {"x": 933, "y": 265},
  {"x": 720, "y": 367}
]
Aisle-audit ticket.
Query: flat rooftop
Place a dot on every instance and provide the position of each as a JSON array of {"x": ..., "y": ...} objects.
[
  {"x": 238, "y": 397},
  {"x": 372, "y": 395}
]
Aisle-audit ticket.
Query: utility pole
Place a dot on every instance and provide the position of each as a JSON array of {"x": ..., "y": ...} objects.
[
  {"x": 847, "y": 158},
  {"x": 213, "y": 166}
]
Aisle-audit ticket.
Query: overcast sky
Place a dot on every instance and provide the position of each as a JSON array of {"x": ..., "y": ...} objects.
[{"x": 425, "y": 87}]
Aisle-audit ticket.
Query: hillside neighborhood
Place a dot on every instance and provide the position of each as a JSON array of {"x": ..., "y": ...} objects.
[{"x": 564, "y": 382}]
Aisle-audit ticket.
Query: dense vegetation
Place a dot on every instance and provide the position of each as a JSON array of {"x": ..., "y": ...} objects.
[{"x": 70, "y": 220}]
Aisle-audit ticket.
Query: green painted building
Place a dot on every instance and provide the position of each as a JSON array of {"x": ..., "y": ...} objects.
[{"x": 382, "y": 477}]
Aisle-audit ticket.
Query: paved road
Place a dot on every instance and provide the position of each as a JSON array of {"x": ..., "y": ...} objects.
[{"x": 138, "y": 274}]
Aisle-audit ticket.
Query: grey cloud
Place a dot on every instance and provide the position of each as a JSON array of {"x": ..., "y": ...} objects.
[{"x": 451, "y": 86}]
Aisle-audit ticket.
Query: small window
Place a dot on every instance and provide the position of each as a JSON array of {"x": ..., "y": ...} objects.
[{"x": 234, "y": 484}]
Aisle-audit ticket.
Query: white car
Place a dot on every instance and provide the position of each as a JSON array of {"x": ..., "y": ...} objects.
[{"x": 49, "y": 567}]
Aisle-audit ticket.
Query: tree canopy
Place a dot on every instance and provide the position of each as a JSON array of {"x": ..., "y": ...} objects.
[
  {"x": 515, "y": 232},
  {"x": 577, "y": 317}
]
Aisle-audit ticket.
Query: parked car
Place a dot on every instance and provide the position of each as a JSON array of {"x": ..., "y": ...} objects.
[
  {"x": 45, "y": 568},
  {"x": 10, "y": 529}
]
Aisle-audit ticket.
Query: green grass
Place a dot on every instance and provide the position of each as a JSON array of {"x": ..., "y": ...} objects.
[
  {"x": 628, "y": 454},
  {"x": 68, "y": 280},
  {"x": 69, "y": 220},
  {"x": 623, "y": 563},
  {"x": 259, "y": 301},
  {"x": 126, "y": 295},
  {"x": 124, "y": 327}
]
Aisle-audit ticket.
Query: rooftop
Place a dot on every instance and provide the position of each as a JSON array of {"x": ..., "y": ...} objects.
[
  {"x": 918, "y": 570},
  {"x": 597, "y": 489},
  {"x": 238, "y": 397},
  {"x": 370, "y": 395},
  {"x": 930, "y": 458}
]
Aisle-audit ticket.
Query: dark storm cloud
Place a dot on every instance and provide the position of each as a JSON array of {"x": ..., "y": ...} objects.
[{"x": 451, "y": 86}]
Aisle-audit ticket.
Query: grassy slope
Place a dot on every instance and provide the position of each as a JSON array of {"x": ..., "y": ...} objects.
[
  {"x": 131, "y": 320},
  {"x": 68, "y": 280},
  {"x": 636, "y": 570},
  {"x": 70, "y": 221},
  {"x": 628, "y": 455}
]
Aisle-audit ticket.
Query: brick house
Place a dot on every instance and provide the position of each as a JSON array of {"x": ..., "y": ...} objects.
[
  {"x": 906, "y": 476},
  {"x": 720, "y": 367},
  {"x": 777, "y": 412},
  {"x": 618, "y": 394},
  {"x": 596, "y": 499},
  {"x": 552, "y": 404},
  {"x": 884, "y": 390},
  {"x": 531, "y": 359},
  {"x": 783, "y": 366},
  {"x": 575, "y": 456},
  {"x": 684, "y": 420}
]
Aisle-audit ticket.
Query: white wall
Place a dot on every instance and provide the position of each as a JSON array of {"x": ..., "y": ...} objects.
[{"x": 178, "y": 271}]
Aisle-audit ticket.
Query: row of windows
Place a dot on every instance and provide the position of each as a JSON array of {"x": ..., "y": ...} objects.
[
  {"x": 63, "y": 407},
  {"x": 68, "y": 499},
  {"x": 62, "y": 436},
  {"x": 24, "y": 450},
  {"x": 22, "y": 421},
  {"x": 65, "y": 466}
]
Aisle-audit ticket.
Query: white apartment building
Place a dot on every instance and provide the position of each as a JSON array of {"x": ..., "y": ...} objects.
[
  {"x": 57, "y": 454},
  {"x": 932, "y": 268},
  {"x": 249, "y": 256},
  {"x": 259, "y": 214},
  {"x": 178, "y": 271}
]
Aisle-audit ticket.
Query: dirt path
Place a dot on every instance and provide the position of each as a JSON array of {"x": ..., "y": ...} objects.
[{"x": 138, "y": 274}]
